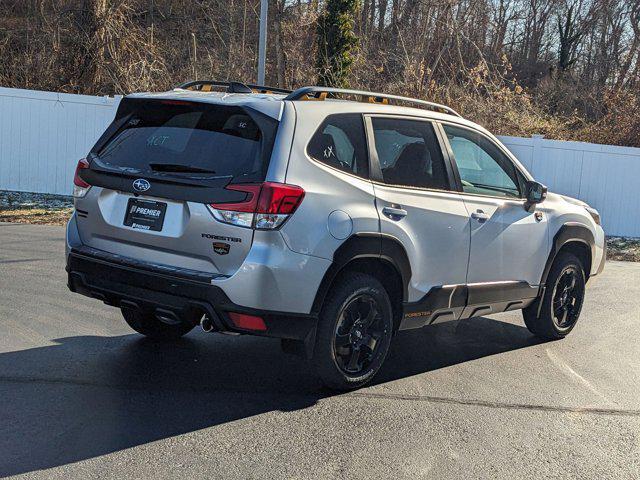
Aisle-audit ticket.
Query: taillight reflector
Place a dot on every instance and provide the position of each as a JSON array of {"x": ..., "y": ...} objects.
[
  {"x": 77, "y": 181},
  {"x": 247, "y": 322}
]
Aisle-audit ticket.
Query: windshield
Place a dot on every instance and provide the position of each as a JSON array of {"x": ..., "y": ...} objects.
[{"x": 190, "y": 138}]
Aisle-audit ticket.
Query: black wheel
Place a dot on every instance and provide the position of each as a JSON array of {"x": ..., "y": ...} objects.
[
  {"x": 148, "y": 324},
  {"x": 562, "y": 299},
  {"x": 354, "y": 332}
]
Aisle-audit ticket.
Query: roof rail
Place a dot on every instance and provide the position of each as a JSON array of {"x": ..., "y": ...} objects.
[
  {"x": 320, "y": 93},
  {"x": 230, "y": 87}
]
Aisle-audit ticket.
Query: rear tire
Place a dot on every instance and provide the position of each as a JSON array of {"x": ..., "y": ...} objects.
[
  {"x": 149, "y": 325},
  {"x": 354, "y": 332},
  {"x": 562, "y": 300}
]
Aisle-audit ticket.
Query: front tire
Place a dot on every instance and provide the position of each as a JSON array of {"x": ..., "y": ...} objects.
[
  {"x": 149, "y": 325},
  {"x": 354, "y": 332},
  {"x": 562, "y": 300}
]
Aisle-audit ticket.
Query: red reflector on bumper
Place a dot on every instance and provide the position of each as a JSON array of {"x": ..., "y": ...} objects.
[{"x": 247, "y": 322}]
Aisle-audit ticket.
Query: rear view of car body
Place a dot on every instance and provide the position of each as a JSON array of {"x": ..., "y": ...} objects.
[{"x": 180, "y": 208}]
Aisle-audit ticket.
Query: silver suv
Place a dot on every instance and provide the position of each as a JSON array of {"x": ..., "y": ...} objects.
[{"x": 325, "y": 222}]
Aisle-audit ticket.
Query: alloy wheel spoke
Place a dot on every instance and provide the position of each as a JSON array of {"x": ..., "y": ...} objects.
[
  {"x": 354, "y": 359},
  {"x": 342, "y": 340},
  {"x": 370, "y": 342},
  {"x": 566, "y": 300},
  {"x": 350, "y": 318},
  {"x": 565, "y": 312},
  {"x": 358, "y": 334}
]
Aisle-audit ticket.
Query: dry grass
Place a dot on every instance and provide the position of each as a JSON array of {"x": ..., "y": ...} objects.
[{"x": 36, "y": 216}]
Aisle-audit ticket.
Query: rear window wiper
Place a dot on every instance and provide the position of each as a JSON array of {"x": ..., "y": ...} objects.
[{"x": 178, "y": 167}]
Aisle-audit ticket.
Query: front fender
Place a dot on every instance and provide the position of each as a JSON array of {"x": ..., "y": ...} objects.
[{"x": 569, "y": 232}]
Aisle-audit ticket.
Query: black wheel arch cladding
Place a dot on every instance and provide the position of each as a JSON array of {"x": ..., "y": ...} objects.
[
  {"x": 570, "y": 233},
  {"x": 376, "y": 246}
]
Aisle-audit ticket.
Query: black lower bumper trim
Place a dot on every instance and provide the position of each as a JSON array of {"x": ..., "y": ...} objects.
[{"x": 133, "y": 284}]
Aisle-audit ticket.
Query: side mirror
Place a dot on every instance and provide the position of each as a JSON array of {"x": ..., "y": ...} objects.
[{"x": 535, "y": 193}]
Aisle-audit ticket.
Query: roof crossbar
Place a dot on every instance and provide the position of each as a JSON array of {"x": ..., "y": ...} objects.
[
  {"x": 320, "y": 93},
  {"x": 230, "y": 87}
]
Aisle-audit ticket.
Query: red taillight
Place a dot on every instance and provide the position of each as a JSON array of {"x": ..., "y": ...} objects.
[
  {"x": 248, "y": 204},
  {"x": 80, "y": 187},
  {"x": 247, "y": 322},
  {"x": 279, "y": 198},
  {"x": 266, "y": 206},
  {"x": 77, "y": 181}
]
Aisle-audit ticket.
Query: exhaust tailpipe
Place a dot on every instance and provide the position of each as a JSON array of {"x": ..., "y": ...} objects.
[{"x": 206, "y": 324}]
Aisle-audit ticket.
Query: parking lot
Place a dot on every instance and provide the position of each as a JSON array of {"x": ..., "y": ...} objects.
[{"x": 84, "y": 397}]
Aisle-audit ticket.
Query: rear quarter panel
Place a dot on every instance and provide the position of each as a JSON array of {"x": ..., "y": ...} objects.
[{"x": 327, "y": 190}]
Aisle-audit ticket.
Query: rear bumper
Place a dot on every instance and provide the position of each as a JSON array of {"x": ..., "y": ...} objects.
[{"x": 187, "y": 294}]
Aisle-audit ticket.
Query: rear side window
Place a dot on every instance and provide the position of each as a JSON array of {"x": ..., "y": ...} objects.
[
  {"x": 191, "y": 138},
  {"x": 409, "y": 153},
  {"x": 340, "y": 143}
]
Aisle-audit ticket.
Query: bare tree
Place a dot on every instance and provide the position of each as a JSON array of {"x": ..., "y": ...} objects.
[{"x": 559, "y": 67}]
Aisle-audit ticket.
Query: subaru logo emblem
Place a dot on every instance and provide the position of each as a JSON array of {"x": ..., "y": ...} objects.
[{"x": 141, "y": 185}]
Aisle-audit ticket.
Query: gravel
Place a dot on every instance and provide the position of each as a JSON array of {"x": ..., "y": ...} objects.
[
  {"x": 26, "y": 201},
  {"x": 621, "y": 248}
]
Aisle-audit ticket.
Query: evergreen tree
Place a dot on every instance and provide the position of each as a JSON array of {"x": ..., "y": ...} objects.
[{"x": 336, "y": 42}]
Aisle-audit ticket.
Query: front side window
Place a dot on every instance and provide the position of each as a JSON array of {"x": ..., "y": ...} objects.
[
  {"x": 340, "y": 143},
  {"x": 409, "y": 153},
  {"x": 484, "y": 168}
]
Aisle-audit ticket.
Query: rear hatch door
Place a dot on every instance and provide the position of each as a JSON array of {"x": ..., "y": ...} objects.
[{"x": 156, "y": 169}]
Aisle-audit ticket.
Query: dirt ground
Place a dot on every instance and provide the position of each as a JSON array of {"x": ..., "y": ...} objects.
[{"x": 37, "y": 216}]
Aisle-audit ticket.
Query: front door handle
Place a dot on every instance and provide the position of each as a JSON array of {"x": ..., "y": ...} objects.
[
  {"x": 480, "y": 216},
  {"x": 394, "y": 213}
]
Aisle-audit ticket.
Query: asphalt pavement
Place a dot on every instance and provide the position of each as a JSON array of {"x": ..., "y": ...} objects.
[{"x": 82, "y": 396}]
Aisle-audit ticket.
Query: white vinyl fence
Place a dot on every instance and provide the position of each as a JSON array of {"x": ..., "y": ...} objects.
[
  {"x": 606, "y": 177},
  {"x": 43, "y": 134}
]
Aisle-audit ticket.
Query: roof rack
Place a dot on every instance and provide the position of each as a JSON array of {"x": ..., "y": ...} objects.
[
  {"x": 320, "y": 93},
  {"x": 230, "y": 87}
]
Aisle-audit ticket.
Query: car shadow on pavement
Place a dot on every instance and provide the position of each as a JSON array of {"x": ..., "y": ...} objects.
[
  {"x": 437, "y": 346},
  {"x": 87, "y": 396}
]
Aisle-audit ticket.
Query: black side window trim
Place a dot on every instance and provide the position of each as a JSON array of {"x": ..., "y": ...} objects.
[
  {"x": 375, "y": 172},
  {"x": 454, "y": 165}
]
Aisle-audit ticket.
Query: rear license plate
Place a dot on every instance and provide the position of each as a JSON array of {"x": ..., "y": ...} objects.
[{"x": 145, "y": 214}]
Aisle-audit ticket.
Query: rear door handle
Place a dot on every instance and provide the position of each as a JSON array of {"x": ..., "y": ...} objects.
[
  {"x": 480, "y": 216},
  {"x": 394, "y": 213}
]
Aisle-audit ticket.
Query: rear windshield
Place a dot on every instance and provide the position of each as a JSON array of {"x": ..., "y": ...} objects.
[{"x": 189, "y": 139}]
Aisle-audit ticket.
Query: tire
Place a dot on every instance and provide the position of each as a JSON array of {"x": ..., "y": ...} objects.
[
  {"x": 149, "y": 325},
  {"x": 560, "y": 307},
  {"x": 347, "y": 328}
]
